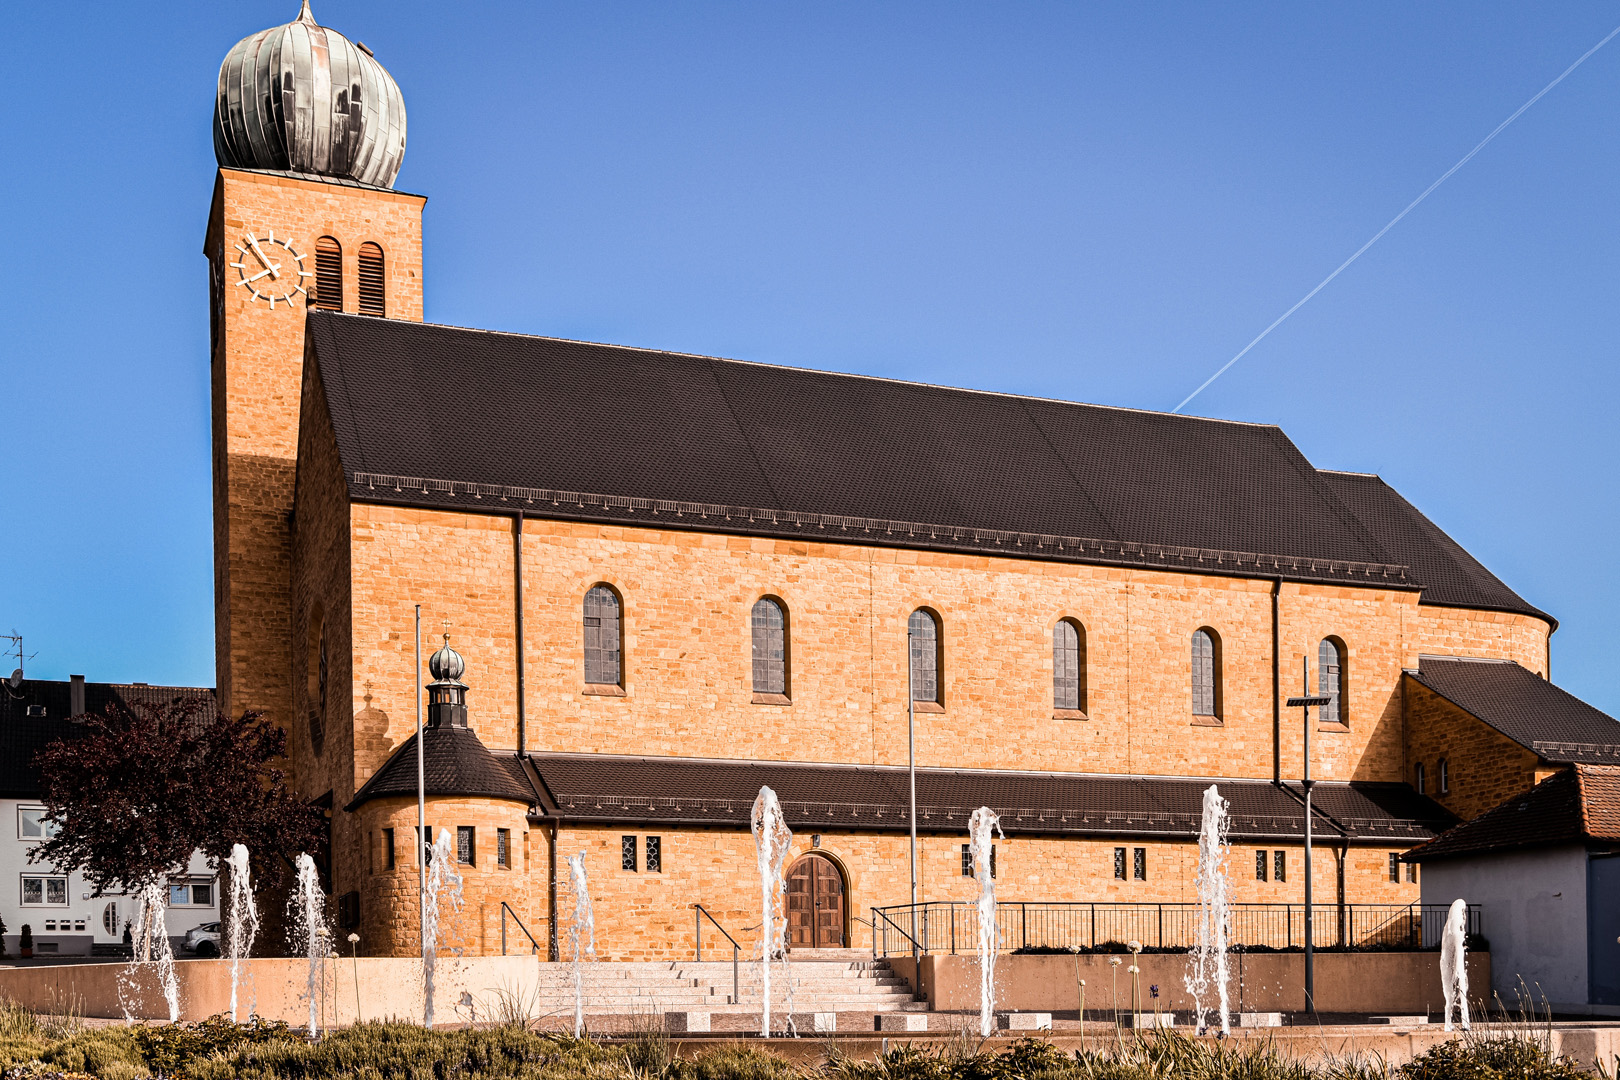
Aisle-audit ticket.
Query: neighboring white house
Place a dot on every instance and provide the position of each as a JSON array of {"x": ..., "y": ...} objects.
[
  {"x": 63, "y": 912},
  {"x": 1545, "y": 866}
]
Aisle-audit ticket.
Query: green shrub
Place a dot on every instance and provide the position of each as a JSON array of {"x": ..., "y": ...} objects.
[
  {"x": 100, "y": 1052},
  {"x": 733, "y": 1062},
  {"x": 1489, "y": 1058}
]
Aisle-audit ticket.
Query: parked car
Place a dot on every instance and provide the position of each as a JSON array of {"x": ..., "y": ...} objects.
[{"x": 203, "y": 940}]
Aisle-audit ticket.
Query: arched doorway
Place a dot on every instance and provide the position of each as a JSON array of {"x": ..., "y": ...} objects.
[{"x": 815, "y": 904}]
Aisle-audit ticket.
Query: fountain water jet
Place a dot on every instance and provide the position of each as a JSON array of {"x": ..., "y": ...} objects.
[
  {"x": 1209, "y": 953},
  {"x": 981, "y": 847},
  {"x": 771, "y": 840},
  {"x": 306, "y": 918},
  {"x": 244, "y": 917},
  {"x": 150, "y": 940},
  {"x": 1454, "y": 962},
  {"x": 584, "y": 926},
  {"x": 441, "y": 873}
]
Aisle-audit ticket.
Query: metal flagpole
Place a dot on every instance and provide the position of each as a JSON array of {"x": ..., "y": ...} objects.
[
  {"x": 421, "y": 795},
  {"x": 911, "y": 755}
]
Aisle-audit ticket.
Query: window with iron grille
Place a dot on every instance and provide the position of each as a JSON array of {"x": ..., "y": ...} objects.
[
  {"x": 602, "y": 637},
  {"x": 328, "y": 291},
  {"x": 967, "y": 860},
  {"x": 1330, "y": 680},
  {"x": 464, "y": 844},
  {"x": 769, "y": 628},
  {"x": 372, "y": 298},
  {"x": 924, "y": 636},
  {"x": 1205, "y": 674},
  {"x": 388, "y": 849},
  {"x": 655, "y": 854},
  {"x": 1279, "y": 866},
  {"x": 1119, "y": 864},
  {"x": 1068, "y": 666},
  {"x": 503, "y": 848},
  {"x": 1260, "y": 866},
  {"x": 627, "y": 853},
  {"x": 1139, "y": 870},
  {"x": 1394, "y": 866}
]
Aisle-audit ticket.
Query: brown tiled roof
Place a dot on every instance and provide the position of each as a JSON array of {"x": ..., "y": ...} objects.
[
  {"x": 607, "y": 788},
  {"x": 22, "y": 735},
  {"x": 437, "y": 416},
  {"x": 1579, "y": 805},
  {"x": 1525, "y": 707},
  {"x": 454, "y": 762}
]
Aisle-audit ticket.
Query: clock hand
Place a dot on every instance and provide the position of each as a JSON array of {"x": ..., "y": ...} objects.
[
  {"x": 272, "y": 269},
  {"x": 275, "y": 271}
]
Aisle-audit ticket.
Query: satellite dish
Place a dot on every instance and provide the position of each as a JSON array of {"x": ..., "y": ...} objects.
[{"x": 16, "y": 679}]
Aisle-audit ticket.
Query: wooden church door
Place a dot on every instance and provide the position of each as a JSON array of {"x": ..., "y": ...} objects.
[{"x": 815, "y": 904}]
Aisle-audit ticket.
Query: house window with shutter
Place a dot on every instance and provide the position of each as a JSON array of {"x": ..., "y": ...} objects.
[
  {"x": 373, "y": 300},
  {"x": 1069, "y": 667},
  {"x": 328, "y": 291},
  {"x": 923, "y": 632},
  {"x": 602, "y": 637},
  {"x": 1206, "y": 675},
  {"x": 768, "y": 627}
]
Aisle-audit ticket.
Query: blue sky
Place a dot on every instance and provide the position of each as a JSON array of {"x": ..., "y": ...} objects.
[{"x": 1100, "y": 203}]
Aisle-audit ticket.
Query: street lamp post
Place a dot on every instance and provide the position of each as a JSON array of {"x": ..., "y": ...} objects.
[
  {"x": 911, "y": 756},
  {"x": 1304, "y": 703}
]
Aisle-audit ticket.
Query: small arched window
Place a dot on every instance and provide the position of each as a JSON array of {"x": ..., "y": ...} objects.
[
  {"x": 1330, "y": 681},
  {"x": 373, "y": 298},
  {"x": 768, "y": 625},
  {"x": 1206, "y": 674},
  {"x": 328, "y": 291},
  {"x": 1069, "y": 666},
  {"x": 1443, "y": 774},
  {"x": 602, "y": 637},
  {"x": 1420, "y": 779},
  {"x": 923, "y": 632}
]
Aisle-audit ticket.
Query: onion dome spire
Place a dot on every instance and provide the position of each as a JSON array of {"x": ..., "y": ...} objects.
[
  {"x": 447, "y": 695},
  {"x": 303, "y": 98}
]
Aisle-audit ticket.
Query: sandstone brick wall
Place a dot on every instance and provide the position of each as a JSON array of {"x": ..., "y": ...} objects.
[
  {"x": 257, "y": 356},
  {"x": 1485, "y": 766}
]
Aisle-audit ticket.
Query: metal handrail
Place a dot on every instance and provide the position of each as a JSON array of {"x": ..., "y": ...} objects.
[
  {"x": 877, "y": 913},
  {"x": 699, "y": 914},
  {"x": 505, "y": 911}
]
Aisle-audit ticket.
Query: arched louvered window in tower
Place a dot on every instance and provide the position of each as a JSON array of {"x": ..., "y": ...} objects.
[
  {"x": 924, "y": 635},
  {"x": 602, "y": 637},
  {"x": 1330, "y": 681},
  {"x": 1069, "y": 666},
  {"x": 373, "y": 296},
  {"x": 1206, "y": 674},
  {"x": 768, "y": 627},
  {"x": 328, "y": 291}
]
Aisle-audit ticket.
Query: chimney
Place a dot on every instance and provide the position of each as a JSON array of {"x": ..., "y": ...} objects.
[{"x": 75, "y": 695}]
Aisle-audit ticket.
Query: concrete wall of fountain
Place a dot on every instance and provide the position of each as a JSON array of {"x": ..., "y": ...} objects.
[
  {"x": 1358, "y": 982},
  {"x": 371, "y": 988}
]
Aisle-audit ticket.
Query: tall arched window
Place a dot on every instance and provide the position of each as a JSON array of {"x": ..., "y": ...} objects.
[
  {"x": 1442, "y": 773},
  {"x": 328, "y": 291},
  {"x": 602, "y": 637},
  {"x": 1069, "y": 666},
  {"x": 768, "y": 625},
  {"x": 372, "y": 295},
  {"x": 1206, "y": 674},
  {"x": 1420, "y": 779},
  {"x": 1330, "y": 681},
  {"x": 924, "y": 634}
]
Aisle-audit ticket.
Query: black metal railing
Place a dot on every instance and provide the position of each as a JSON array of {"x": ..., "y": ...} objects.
[
  {"x": 505, "y": 911},
  {"x": 699, "y": 913},
  {"x": 949, "y": 926}
]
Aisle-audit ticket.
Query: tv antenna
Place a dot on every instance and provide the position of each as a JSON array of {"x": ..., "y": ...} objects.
[{"x": 15, "y": 648}]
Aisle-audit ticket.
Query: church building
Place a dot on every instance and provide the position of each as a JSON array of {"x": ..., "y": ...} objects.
[{"x": 668, "y": 580}]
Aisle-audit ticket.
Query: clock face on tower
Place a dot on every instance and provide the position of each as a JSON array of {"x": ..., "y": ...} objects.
[{"x": 270, "y": 269}]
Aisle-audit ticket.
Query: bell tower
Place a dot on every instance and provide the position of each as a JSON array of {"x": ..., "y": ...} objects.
[{"x": 309, "y": 132}]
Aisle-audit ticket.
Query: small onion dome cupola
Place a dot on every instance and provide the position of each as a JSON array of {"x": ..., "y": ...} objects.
[
  {"x": 447, "y": 695},
  {"x": 302, "y": 98}
]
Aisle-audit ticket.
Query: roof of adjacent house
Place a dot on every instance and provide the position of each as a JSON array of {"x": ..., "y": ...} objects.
[
  {"x": 691, "y": 791},
  {"x": 1578, "y": 805},
  {"x": 1525, "y": 707},
  {"x": 454, "y": 762},
  {"x": 438, "y": 416},
  {"x": 39, "y": 712}
]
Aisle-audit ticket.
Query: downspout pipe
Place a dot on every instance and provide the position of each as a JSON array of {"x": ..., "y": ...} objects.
[{"x": 517, "y": 619}]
